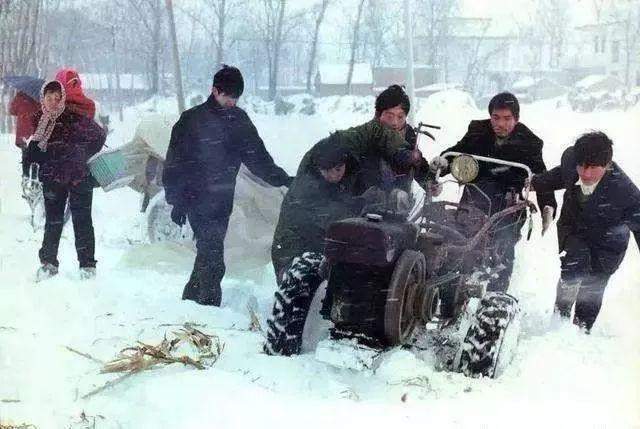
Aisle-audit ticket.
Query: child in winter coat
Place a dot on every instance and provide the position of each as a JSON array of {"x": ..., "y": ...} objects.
[{"x": 62, "y": 143}]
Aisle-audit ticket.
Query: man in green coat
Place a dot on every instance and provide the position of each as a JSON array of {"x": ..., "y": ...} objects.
[
  {"x": 371, "y": 143},
  {"x": 324, "y": 191}
]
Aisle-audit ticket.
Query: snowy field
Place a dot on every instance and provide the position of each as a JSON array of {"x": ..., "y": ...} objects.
[{"x": 559, "y": 377}]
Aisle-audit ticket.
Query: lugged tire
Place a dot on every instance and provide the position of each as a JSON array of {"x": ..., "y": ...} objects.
[
  {"x": 291, "y": 306},
  {"x": 482, "y": 346}
]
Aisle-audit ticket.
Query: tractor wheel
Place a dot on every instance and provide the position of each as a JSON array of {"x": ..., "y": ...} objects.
[
  {"x": 492, "y": 335},
  {"x": 407, "y": 279}
]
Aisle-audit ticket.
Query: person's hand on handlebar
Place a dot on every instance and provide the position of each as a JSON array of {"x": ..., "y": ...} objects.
[{"x": 438, "y": 163}]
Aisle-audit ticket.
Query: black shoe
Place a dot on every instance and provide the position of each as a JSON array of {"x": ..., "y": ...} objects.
[
  {"x": 190, "y": 292},
  {"x": 87, "y": 273},
  {"x": 563, "y": 311},
  {"x": 208, "y": 301},
  {"x": 582, "y": 325},
  {"x": 46, "y": 271}
]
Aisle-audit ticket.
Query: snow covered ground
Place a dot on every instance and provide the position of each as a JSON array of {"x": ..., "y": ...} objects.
[{"x": 559, "y": 377}]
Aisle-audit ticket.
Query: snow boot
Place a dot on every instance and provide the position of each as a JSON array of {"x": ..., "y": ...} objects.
[
  {"x": 46, "y": 271},
  {"x": 87, "y": 273}
]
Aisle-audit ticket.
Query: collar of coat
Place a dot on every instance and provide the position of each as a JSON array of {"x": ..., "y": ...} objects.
[{"x": 483, "y": 128}]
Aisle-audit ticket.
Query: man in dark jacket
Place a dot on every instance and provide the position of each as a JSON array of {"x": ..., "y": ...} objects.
[
  {"x": 322, "y": 193},
  {"x": 503, "y": 137},
  {"x": 600, "y": 206},
  {"x": 208, "y": 143},
  {"x": 319, "y": 195}
]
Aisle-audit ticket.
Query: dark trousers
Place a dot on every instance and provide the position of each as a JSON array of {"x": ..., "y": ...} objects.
[
  {"x": 506, "y": 231},
  {"x": 80, "y": 199},
  {"x": 25, "y": 163},
  {"x": 209, "y": 231},
  {"x": 581, "y": 282},
  {"x": 504, "y": 243}
]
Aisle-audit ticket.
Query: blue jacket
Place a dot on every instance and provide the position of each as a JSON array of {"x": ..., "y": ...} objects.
[
  {"x": 605, "y": 219},
  {"x": 208, "y": 144}
]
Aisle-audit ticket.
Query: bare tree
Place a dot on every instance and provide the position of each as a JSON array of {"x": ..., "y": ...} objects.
[
  {"x": 314, "y": 41},
  {"x": 23, "y": 49},
  {"x": 149, "y": 13},
  {"x": 220, "y": 7},
  {"x": 354, "y": 45},
  {"x": 176, "y": 55},
  {"x": 273, "y": 29},
  {"x": 216, "y": 29},
  {"x": 277, "y": 45},
  {"x": 432, "y": 32},
  {"x": 627, "y": 15},
  {"x": 20, "y": 33},
  {"x": 382, "y": 40},
  {"x": 408, "y": 28},
  {"x": 479, "y": 54},
  {"x": 551, "y": 20}
]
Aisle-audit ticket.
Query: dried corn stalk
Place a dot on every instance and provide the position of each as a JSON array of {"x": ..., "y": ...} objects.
[{"x": 145, "y": 356}]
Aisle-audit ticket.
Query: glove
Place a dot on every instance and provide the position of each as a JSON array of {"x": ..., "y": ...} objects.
[
  {"x": 438, "y": 163},
  {"x": 178, "y": 216},
  {"x": 416, "y": 157}
]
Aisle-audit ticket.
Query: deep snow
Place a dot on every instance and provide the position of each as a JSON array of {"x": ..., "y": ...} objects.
[{"x": 559, "y": 377}]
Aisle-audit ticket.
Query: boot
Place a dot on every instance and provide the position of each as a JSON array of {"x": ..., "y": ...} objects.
[
  {"x": 87, "y": 273},
  {"x": 46, "y": 271}
]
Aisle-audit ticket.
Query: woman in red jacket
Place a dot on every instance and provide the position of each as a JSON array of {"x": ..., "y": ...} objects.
[{"x": 23, "y": 108}]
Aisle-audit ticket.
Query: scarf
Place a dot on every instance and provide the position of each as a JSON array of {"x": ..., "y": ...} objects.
[{"x": 48, "y": 119}]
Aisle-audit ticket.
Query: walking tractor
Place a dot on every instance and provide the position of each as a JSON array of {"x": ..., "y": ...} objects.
[{"x": 421, "y": 282}]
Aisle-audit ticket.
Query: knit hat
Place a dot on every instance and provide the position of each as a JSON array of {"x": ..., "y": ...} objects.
[
  {"x": 229, "y": 81},
  {"x": 392, "y": 97}
]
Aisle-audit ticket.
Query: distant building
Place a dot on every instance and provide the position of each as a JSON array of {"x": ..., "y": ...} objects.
[
  {"x": 385, "y": 76},
  {"x": 479, "y": 54},
  {"x": 331, "y": 79},
  {"x": 601, "y": 47},
  {"x": 529, "y": 89}
]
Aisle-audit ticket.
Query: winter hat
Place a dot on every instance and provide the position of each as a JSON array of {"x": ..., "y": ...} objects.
[
  {"x": 76, "y": 100},
  {"x": 392, "y": 97},
  {"x": 229, "y": 81},
  {"x": 593, "y": 149},
  {"x": 505, "y": 100},
  {"x": 70, "y": 79},
  {"x": 330, "y": 152}
]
